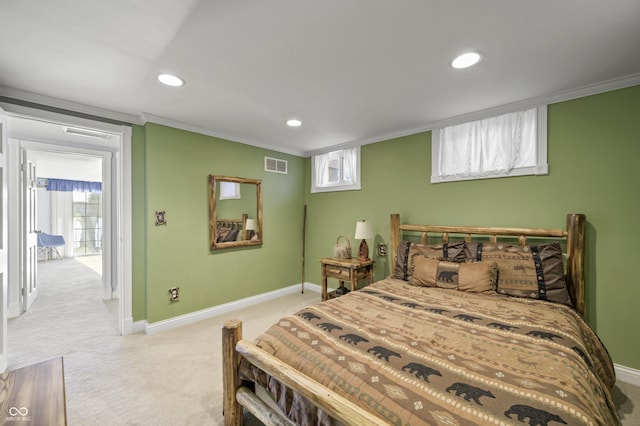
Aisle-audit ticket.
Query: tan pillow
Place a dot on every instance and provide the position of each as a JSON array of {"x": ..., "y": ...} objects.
[
  {"x": 475, "y": 277},
  {"x": 407, "y": 251},
  {"x": 533, "y": 271}
]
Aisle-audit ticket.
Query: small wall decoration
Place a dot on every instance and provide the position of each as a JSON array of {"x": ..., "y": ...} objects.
[{"x": 160, "y": 218}]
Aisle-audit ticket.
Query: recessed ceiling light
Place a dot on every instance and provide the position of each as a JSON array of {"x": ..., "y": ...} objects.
[
  {"x": 466, "y": 60},
  {"x": 294, "y": 123},
  {"x": 170, "y": 80}
]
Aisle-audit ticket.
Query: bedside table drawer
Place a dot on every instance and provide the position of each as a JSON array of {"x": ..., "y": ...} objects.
[{"x": 337, "y": 272}]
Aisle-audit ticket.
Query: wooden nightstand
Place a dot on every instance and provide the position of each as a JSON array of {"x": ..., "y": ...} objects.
[{"x": 350, "y": 270}]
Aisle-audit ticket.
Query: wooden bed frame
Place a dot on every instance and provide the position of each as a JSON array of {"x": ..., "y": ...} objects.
[
  {"x": 235, "y": 348},
  {"x": 241, "y": 223}
]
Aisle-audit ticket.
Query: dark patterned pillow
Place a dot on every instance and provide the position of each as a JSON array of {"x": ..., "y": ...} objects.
[
  {"x": 533, "y": 271},
  {"x": 407, "y": 251},
  {"x": 473, "y": 277},
  {"x": 222, "y": 232},
  {"x": 232, "y": 235}
]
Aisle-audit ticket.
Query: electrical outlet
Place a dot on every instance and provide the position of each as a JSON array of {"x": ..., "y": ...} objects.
[
  {"x": 382, "y": 249},
  {"x": 174, "y": 294}
]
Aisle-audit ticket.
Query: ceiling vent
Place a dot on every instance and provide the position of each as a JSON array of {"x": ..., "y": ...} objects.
[
  {"x": 86, "y": 132},
  {"x": 274, "y": 165}
]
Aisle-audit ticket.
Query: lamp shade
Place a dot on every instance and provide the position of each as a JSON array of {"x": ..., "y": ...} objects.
[
  {"x": 363, "y": 230},
  {"x": 251, "y": 225}
]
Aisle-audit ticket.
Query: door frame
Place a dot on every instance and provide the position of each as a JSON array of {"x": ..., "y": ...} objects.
[{"x": 118, "y": 177}]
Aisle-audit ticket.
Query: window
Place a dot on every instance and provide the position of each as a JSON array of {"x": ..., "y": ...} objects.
[
  {"x": 512, "y": 144},
  {"x": 229, "y": 190},
  {"x": 336, "y": 170},
  {"x": 87, "y": 223}
]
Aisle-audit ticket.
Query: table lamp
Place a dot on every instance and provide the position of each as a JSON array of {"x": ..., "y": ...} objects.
[
  {"x": 363, "y": 231},
  {"x": 251, "y": 226}
]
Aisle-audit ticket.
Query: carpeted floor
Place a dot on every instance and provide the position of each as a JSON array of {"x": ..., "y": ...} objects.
[{"x": 168, "y": 378}]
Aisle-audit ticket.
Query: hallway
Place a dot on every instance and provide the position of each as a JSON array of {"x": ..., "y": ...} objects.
[{"x": 68, "y": 313}]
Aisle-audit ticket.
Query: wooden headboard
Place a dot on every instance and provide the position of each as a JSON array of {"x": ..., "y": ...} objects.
[
  {"x": 240, "y": 223},
  {"x": 573, "y": 235}
]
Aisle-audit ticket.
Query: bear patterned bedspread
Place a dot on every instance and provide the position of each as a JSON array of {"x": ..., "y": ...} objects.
[{"x": 417, "y": 355}]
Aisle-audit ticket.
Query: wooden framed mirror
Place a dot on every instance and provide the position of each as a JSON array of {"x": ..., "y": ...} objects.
[{"x": 235, "y": 212}]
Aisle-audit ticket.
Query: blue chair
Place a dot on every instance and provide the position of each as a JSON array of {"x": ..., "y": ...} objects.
[{"x": 49, "y": 244}]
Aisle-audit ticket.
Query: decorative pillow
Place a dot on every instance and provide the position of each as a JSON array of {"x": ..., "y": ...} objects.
[
  {"x": 222, "y": 233},
  {"x": 534, "y": 271},
  {"x": 232, "y": 235},
  {"x": 407, "y": 251},
  {"x": 474, "y": 277}
]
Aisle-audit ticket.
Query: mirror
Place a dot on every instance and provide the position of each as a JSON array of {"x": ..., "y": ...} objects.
[{"x": 235, "y": 212}]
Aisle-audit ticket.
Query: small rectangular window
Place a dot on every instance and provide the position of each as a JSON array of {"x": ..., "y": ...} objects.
[
  {"x": 336, "y": 170},
  {"x": 229, "y": 190},
  {"x": 512, "y": 144}
]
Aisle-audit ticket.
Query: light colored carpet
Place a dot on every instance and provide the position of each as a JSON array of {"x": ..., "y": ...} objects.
[{"x": 168, "y": 378}]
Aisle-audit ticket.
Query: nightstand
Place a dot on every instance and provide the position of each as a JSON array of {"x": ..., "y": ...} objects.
[{"x": 350, "y": 270}]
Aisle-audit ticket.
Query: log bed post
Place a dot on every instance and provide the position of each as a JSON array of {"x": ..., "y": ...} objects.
[
  {"x": 231, "y": 335},
  {"x": 395, "y": 238},
  {"x": 576, "y": 224}
]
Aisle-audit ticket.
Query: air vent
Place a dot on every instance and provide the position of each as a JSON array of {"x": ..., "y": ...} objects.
[
  {"x": 86, "y": 132},
  {"x": 274, "y": 165}
]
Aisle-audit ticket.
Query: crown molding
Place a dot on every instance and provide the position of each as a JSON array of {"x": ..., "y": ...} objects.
[
  {"x": 33, "y": 100},
  {"x": 146, "y": 117},
  {"x": 566, "y": 95}
]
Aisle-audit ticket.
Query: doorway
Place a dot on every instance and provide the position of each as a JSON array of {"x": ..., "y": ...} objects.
[{"x": 44, "y": 131}]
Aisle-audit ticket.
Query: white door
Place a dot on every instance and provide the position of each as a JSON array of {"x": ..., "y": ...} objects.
[
  {"x": 29, "y": 288},
  {"x": 3, "y": 241}
]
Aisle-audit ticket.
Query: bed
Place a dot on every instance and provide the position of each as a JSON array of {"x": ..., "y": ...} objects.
[
  {"x": 232, "y": 229},
  {"x": 484, "y": 326}
]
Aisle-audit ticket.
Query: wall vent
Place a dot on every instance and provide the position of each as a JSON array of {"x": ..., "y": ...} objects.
[
  {"x": 275, "y": 165},
  {"x": 86, "y": 132}
]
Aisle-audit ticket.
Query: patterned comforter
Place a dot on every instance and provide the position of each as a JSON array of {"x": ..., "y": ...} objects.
[{"x": 416, "y": 356}]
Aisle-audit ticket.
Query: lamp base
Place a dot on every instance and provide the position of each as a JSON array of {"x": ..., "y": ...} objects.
[{"x": 363, "y": 252}]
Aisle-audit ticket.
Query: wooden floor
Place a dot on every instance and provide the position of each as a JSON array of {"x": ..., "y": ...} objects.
[{"x": 34, "y": 394}]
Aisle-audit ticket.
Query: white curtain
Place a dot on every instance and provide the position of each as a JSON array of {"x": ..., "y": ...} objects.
[
  {"x": 494, "y": 145},
  {"x": 349, "y": 162},
  {"x": 62, "y": 219},
  {"x": 321, "y": 169}
]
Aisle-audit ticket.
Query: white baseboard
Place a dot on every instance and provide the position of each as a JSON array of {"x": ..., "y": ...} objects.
[
  {"x": 127, "y": 327},
  {"x": 14, "y": 311},
  {"x": 627, "y": 375},
  {"x": 313, "y": 287},
  {"x": 218, "y": 310},
  {"x": 138, "y": 327}
]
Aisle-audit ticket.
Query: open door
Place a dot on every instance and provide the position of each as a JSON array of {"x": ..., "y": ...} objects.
[
  {"x": 3, "y": 242},
  {"x": 29, "y": 290}
]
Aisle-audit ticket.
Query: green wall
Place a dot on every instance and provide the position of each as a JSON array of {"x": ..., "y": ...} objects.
[
  {"x": 593, "y": 148},
  {"x": 593, "y": 152},
  {"x": 177, "y": 166}
]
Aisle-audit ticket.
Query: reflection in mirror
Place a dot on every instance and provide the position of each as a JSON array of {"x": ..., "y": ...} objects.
[{"x": 235, "y": 212}]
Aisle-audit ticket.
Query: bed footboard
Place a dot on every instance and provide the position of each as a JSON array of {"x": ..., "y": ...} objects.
[{"x": 236, "y": 396}]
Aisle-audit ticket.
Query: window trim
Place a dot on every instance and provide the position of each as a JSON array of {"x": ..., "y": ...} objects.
[
  {"x": 542, "y": 167},
  {"x": 356, "y": 185}
]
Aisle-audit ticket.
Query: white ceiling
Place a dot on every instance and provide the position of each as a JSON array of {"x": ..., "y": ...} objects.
[{"x": 353, "y": 71}]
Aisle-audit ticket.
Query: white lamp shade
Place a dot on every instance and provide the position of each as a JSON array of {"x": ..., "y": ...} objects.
[
  {"x": 363, "y": 230},
  {"x": 251, "y": 225}
]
